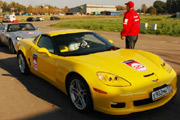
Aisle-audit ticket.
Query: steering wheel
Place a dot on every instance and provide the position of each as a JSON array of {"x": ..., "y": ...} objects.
[{"x": 84, "y": 44}]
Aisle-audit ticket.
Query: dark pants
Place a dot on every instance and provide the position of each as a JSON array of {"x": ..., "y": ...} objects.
[{"x": 131, "y": 41}]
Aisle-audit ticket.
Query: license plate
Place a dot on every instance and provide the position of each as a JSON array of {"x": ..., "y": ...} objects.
[{"x": 161, "y": 92}]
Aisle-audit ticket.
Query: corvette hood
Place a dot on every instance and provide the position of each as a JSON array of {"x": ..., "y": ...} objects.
[
  {"x": 26, "y": 34},
  {"x": 125, "y": 63}
]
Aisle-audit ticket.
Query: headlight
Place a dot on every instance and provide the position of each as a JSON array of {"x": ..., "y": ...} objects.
[
  {"x": 18, "y": 38},
  {"x": 112, "y": 80},
  {"x": 166, "y": 66}
]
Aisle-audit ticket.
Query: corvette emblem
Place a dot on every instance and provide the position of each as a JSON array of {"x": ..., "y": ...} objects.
[
  {"x": 30, "y": 32},
  {"x": 155, "y": 80}
]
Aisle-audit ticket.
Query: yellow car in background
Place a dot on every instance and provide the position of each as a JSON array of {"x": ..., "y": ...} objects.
[{"x": 97, "y": 75}]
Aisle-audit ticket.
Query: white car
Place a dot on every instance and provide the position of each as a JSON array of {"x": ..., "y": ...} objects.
[
  {"x": 12, "y": 33},
  {"x": 39, "y": 19},
  {"x": 9, "y": 18}
]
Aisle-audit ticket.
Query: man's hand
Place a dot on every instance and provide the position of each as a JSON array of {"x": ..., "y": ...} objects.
[{"x": 122, "y": 37}]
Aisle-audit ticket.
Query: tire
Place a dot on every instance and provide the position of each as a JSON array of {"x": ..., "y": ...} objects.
[
  {"x": 22, "y": 64},
  {"x": 1, "y": 45},
  {"x": 79, "y": 94},
  {"x": 11, "y": 47}
]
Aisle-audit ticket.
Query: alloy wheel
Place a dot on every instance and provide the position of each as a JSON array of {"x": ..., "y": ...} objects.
[
  {"x": 21, "y": 63},
  {"x": 78, "y": 94}
]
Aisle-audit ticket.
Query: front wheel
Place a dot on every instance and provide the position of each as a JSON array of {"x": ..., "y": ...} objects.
[
  {"x": 22, "y": 64},
  {"x": 79, "y": 94},
  {"x": 11, "y": 47}
]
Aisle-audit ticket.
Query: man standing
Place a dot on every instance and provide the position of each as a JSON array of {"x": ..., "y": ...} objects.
[{"x": 131, "y": 26}]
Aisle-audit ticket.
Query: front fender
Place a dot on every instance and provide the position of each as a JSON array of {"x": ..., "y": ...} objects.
[
  {"x": 85, "y": 70},
  {"x": 21, "y": 47}
]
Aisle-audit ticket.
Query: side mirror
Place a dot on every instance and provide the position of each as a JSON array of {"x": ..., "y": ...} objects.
[
  {"x": 37, "y": 28},
  {"x": 44, "y": 50},
  {"x": 111, "y": 41}
]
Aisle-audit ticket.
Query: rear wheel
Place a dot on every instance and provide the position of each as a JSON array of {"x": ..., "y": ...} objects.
[
  {"x": 11, "y": 47},
  {"x": 1, "y": 43},
  {"x": 22, "y": 64},
  {"x": 79, "y": 94}
]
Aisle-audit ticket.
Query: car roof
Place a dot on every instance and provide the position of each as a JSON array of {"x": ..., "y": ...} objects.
[{"x": 67, "y": 31}]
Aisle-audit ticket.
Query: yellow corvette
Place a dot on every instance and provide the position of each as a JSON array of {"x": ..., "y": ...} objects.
[{"x": 97, "y": 75}]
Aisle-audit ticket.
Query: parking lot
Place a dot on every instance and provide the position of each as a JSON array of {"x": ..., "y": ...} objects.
[{"x": 29, "y": 97}]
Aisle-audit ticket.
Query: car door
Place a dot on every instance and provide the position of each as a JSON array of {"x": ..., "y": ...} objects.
[{"x": 42, "y": 63}]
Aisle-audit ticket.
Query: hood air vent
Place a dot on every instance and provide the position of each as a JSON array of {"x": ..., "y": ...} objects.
[{"x": 148, "y": 75}]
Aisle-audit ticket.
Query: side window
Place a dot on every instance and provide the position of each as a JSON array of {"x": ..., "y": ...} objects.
[{"x": 45, "y": 42}]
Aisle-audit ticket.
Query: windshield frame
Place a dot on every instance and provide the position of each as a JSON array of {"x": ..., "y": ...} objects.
[
  {"x": 109, "y": 46},
  {"x": 20, "y": 24}
]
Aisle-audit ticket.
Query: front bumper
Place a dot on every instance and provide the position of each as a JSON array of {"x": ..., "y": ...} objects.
[{"x": 122, "y": 102}]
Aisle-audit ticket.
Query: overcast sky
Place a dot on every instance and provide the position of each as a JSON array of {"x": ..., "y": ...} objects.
[{"x": 73, "y": 3}]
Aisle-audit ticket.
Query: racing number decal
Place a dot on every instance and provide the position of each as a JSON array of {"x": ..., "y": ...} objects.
[
  {"x": 135, "y": 65},
  {"x": 35, "y": 62}
]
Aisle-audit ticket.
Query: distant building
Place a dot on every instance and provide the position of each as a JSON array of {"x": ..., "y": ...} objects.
[
  {"x": 122, "y": 12},
  {"x": 112, "y": 13},
  {"x": 91, "y": 8}
]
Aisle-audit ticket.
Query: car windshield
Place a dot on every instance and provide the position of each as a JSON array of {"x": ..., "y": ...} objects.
[
  {"x": 20, "y": 27},
  {"x": 82, "y": 44}
]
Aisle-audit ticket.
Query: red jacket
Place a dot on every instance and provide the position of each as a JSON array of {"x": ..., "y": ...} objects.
[{"x": 131, "y": 24}]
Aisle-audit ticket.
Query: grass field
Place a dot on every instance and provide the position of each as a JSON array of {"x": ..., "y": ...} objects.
[
  {"x": 166, "y": 25},
  {"x": 101, "y": 25}
]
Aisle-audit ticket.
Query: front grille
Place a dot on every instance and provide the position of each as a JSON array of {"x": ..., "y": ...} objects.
[
  {"x": 149, "y": 100},
  {"x": 144, "y": 102}
]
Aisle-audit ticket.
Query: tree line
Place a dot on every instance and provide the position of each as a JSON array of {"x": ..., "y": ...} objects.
[
  {"x": 18, "y": 8},
  {"x": 160, "y": 7}
]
